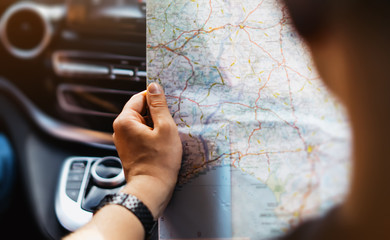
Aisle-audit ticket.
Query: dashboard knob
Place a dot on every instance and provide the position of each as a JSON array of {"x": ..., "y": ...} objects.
[
  {"x": 108, "y": 172},
  {"x": 26, "y": 28}
]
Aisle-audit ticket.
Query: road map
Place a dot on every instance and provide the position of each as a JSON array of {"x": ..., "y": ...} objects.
[{"x": 265, "y": 145}]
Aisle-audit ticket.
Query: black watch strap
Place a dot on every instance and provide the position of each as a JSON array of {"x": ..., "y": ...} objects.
[{"x": 134, "y": 205}]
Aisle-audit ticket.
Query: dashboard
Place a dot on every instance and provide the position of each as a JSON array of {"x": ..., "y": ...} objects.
[
  {"x": 81, "y": 59},
  {"x": 67, "y": 67}
]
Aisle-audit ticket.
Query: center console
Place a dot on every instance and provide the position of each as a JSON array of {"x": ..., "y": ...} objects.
[{"x": 84, "y": 181}]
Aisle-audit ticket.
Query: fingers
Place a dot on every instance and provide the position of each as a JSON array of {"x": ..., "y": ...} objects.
[
  {"x": 154, "y": 100},
  {"x": 131, "y": 115},
  {"x": 158, "y": 106},
  {"x": 136, "y": 103},
  {"x": 135, "y": 108}
]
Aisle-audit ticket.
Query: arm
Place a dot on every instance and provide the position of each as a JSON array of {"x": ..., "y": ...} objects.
[{"x": 151, "y": 159}]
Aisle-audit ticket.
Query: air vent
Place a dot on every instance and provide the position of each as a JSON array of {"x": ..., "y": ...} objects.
[
  {"x": 88, "y": 65},
  {"x": 86, "y": 100}
]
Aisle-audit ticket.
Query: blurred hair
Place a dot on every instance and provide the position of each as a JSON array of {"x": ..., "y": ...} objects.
[
  {"x": 309, "y": 16},
  {"x": 312, "y": 17}
]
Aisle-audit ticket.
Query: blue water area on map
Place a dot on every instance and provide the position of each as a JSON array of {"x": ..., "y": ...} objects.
[{"x": 201, "y": 208}]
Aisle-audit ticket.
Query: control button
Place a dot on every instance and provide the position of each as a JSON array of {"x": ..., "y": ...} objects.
[
  {"x": 72, "y": 194},
  {"x": 108, "y": 169},
  {"x": 76, "y": 177},
  {"x": 108, "y": 172},
  {"x": 73, "y": 185},
  {"x": 78, "y": 166}
]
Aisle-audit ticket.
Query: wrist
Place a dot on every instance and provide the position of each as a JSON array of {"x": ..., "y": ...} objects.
[{"x": 151, "y": 191}]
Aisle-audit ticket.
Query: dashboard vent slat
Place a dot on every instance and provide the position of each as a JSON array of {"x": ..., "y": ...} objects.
[{"x": 87, "y": 65}]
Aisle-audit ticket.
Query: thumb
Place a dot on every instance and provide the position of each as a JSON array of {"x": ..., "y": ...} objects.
[{"x": 158, "y": 107}]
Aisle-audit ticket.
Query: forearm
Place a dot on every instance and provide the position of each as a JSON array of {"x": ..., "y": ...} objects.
[
  {"x": 111, "y": 222},
  {"x": 151, "y": 159}
]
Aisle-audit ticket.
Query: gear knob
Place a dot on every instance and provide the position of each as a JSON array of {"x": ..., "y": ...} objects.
[{"x": 108, "y": 172}]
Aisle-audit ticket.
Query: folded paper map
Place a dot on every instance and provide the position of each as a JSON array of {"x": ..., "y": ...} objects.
[{"x": 265, "y": 144}]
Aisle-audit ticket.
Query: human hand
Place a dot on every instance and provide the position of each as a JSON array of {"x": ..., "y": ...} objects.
[{"x": 151, "y": 157}]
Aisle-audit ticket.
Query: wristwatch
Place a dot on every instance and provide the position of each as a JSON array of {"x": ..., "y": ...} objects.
[{"x": 134, "y": 205}]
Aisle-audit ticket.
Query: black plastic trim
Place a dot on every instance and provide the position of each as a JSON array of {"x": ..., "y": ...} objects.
[{"x": 54, "y": 127}]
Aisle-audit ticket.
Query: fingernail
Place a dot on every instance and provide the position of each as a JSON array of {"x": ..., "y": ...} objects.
[{"x": 154, "y": 88}]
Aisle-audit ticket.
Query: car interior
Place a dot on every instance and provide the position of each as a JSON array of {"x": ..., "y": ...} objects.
[{"x": 67, "y": 69}]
